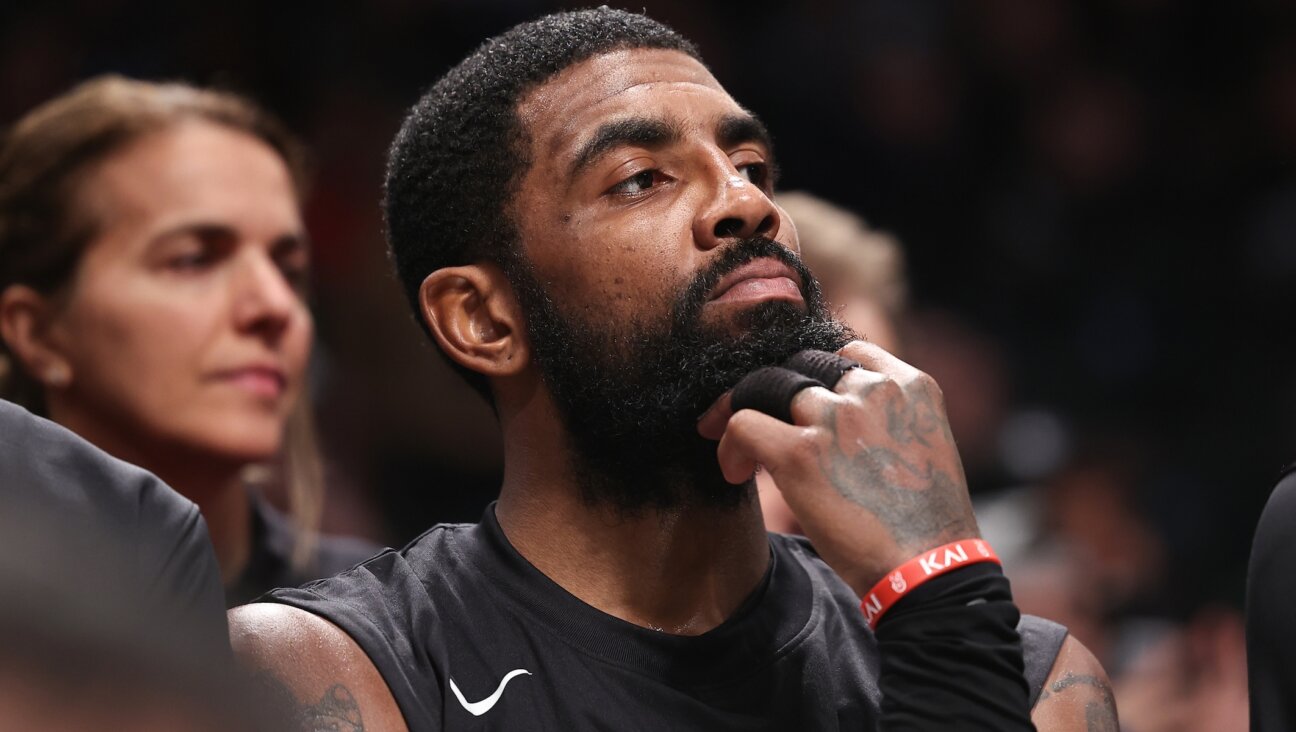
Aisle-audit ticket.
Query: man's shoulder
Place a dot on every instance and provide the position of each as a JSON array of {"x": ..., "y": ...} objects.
[
  {"x": 387, "y": 597},
  {"x": 798, "y": 549},
  {"x": 384, "y": 619},
  {"x": 439, "y": 554},
  {"x": 317, "y": 671}
]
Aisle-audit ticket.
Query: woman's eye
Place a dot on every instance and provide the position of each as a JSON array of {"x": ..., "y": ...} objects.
[
  {"x": 637, "y": 183},
  {"x": 296, "y": 275},
  {"x": 190, "y": 261}
]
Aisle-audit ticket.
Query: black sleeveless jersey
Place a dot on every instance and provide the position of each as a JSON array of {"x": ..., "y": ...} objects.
[{"x": 469, "y": 635}]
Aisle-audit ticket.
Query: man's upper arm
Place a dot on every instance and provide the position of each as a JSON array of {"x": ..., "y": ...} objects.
[
  {"x": 1077, "y": 695},
  {"x": 320, "y": 672}
]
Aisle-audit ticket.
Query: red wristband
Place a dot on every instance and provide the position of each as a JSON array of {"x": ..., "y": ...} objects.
[{"x": 918, "y": 570}]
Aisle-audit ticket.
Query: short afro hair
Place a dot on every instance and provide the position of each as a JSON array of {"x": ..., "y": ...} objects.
[{"x": 461, "y": 152}]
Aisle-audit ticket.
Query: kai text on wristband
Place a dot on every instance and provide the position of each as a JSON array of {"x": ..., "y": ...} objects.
[{"x": 933, "y": 563}]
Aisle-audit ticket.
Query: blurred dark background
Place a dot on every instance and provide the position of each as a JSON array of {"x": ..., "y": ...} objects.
[{"x": 1097, "y": 200}]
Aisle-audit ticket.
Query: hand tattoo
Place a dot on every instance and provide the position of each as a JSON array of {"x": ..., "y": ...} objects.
[{"x": 918, "y": 503}]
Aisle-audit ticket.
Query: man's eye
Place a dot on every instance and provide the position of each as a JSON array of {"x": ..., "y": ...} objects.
[
  {"x": 757, "y": 173},
  {"x": 638, "y": 183}
]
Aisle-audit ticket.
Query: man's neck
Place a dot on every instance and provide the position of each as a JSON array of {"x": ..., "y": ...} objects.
[{"x": 684, "y": 571}]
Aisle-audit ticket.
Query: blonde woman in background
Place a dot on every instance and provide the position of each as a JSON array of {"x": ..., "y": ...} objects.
[
  {"x": 152, "y": 265},
  {"x": 862, "y": 273}
]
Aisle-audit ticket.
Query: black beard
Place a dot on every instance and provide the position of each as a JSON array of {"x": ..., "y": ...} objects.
[{"x": 630, "y": 396}]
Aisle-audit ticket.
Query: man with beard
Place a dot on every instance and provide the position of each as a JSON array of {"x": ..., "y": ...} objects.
[{"x": 583, "y": 220}]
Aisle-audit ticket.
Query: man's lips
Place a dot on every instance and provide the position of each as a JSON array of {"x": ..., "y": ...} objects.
[{"x": 765, "y": 278}]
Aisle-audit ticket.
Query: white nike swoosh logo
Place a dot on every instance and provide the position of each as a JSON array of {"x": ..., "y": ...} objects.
[{"x": 479, "y": 708}]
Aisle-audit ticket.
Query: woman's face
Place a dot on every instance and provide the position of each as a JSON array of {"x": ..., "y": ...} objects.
[{"x": 184, "y": 324}]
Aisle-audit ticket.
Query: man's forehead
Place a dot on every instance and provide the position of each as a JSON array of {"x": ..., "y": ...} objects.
[{"x": 618, "y": 83}]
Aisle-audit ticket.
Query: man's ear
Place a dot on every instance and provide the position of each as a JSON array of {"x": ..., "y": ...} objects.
[
  {"x": 26, "y": 319},
  {"x": 475, "y": 318}
]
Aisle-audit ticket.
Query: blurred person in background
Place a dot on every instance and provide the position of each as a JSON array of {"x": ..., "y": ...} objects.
[
  {"x": 861, "y": 269},
  {"x": 1271, "y": 589},
  {"x": 113, "y": 614},
  {"x": 64, "y": 502},
  {"x": 862, "y": 274},
  {"x": 97, "y": 629},
  {"x": 1090, "y": 558},
  {"x": 153, "y": 264}
]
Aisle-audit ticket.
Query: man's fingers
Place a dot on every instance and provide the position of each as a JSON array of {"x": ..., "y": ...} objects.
[
  {"x": 773, "y": 389},
  {"x": 770, "y": 390},
  {"x": 874, "y": 358},
  {"x": 711, "y": 424},
  {"x": 809, "y": 405},
  {"x": 823, "y": 366},
  {"x": 751, "y": 438}
]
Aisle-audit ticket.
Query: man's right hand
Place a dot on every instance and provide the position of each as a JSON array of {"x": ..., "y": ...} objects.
[{"x": 870, "y": 468}]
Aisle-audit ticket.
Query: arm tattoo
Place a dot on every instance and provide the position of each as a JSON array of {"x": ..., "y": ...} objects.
[
  {"x": 336, "y": 711},
  {"x": 1100, "y": 718},
  {"x": 1100, "y": 714},
  {"x": 1070, "y": 679}
]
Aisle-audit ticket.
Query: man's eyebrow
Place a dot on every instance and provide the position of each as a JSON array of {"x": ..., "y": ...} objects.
[
  {"x": 638, "y": 131},
  {"x": 736, "y": 129}
]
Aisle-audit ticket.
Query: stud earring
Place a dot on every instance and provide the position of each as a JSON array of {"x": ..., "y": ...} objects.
[{"x": 57, "y": 376}]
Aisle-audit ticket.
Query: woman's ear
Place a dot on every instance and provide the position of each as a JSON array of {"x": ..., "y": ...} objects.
[
  {"x": 475, "y": 318},
  {"x": 25, "y": 325}
]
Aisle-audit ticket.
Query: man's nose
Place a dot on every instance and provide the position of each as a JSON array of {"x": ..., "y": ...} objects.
[{"x": 736, "y": 210}]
